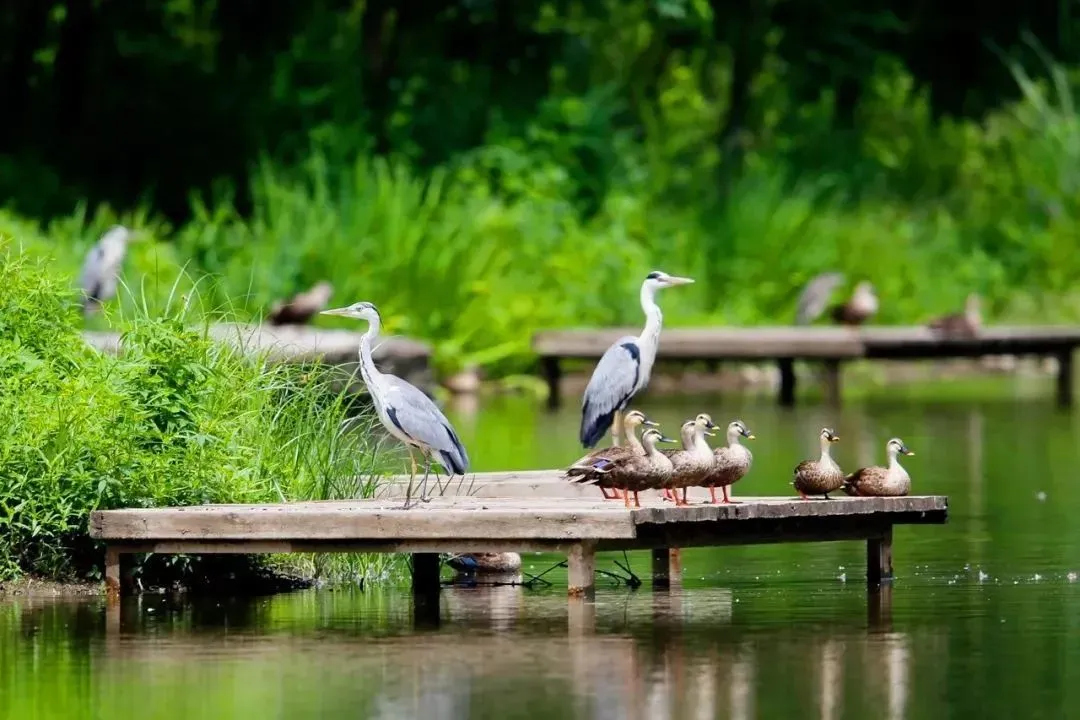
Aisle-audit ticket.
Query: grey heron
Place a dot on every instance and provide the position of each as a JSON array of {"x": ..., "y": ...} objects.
[
  {"x": 101, "y": 268},
  {"x": 406, "y": 412},
  {"x": 815, "y": 296},
  {"x": 301, "y": 307},
  {"x": 625, "y": 367}
]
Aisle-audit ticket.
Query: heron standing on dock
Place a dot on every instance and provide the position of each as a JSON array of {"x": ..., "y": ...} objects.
[
  {"x": 406, "y": 412},
  {"x": 625, "y": 368},
  {"x": 101, "y": 268}
]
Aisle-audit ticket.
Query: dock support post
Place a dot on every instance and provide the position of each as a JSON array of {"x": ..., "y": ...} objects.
[
  {"x": 581, "y": 561},
  {"x": 112, "y": 574},
  {"x": 879, "y": 558},
  {"x": 666, "y": 568},
  {"x": 831, "y": 378},
  {"x": 552, "y": 373},
  {"x": 787, "y": 381},
  {"x": 1065, "y": 379},
  {"x": 425, "y": 573}
]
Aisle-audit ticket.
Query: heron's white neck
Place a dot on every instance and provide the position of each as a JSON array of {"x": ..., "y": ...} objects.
[
  {"x": 649, "y": 339},
  {"x": 370, "y": 373}
]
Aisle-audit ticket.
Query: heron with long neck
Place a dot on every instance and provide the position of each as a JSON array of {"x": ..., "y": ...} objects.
[
  {"x": 405, "y": 411},
  {"x": 101, "y": 269},
  {"x": 625, "y": 367}
]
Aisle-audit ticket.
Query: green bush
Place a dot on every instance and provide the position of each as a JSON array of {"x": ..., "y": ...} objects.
[{"x": 174, "y": 419}]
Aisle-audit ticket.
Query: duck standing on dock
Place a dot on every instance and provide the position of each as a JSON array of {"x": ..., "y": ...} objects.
[
  {"x": 633, "y": 446},
  {"x": 300, "y": 308},
  {"x": 862, "y": 306},
  {"x": 877, "y": 481},
  {"x": 821, "y": 476},
  {"x": 625, "y": 367},
  {"x": 960, "y": 325},
  {"x": 406, "y": 412},
  {"x": 627, "y": 471},
  {"x": 693, "y": 462},
  {"x": 731, "y": 462}
]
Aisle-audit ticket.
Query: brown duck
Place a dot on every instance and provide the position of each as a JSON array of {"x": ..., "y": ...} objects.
[
  {"x": 301, "y": 307},
  {"x": 862, "y": 305},
  {"x": 730, "y": 462},
  {"x": 877, "y": 481},
  {"x": 821, "y": 476},
  {"x": 961, "y": 325},
  {"x": 633, "y": 446}
]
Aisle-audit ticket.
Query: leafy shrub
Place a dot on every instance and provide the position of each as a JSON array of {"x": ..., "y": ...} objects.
[{"x": 174, "y": 419}]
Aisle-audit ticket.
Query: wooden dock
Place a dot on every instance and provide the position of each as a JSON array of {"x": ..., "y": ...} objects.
[
  {"x": 830, "y": 346},
  {"x": 487, "y": 513}
]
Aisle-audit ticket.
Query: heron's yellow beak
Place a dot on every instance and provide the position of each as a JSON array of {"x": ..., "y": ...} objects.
[
  {"x": 675, "y": 280},
  {"x": 335, "y": 311}
]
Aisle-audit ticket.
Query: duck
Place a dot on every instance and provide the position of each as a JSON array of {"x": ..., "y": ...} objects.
[
  {"x": 633, "y": 446},
  {"x": 862, "y": 305},
  {"x": 730, "y": 462},
  {"x": 693, "y": 461},
  {"x": 629, "y": 472},
  {"x": 877, "y": 481},
  {"x": 966, "y": 324},
  {"x": 300, "y": 308},
  {"x": 485, "y": 563},
  {"x": 821, "y": 476}
]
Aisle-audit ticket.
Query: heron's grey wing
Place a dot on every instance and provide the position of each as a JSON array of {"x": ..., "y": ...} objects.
[
  {"x": 815, "y": 297},
  {"x": 610, "y": 388},
  {"x": 90, "y": 276},
  {"x": 416, "y": 415}
]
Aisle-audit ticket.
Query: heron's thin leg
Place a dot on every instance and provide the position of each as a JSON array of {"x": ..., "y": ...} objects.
[
  {"x": 423, "y": 483},
  {"x": 412, "y": 475}
]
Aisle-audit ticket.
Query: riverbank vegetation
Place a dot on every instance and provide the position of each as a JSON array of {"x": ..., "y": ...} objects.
[
  {"x": 174, "y": 419},
  {"x": 485, "y": 170}
]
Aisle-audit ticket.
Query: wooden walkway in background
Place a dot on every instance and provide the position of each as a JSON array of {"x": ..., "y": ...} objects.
[
  {"x": 494, "y": 512},
  {"x": 831, "y": 346}
]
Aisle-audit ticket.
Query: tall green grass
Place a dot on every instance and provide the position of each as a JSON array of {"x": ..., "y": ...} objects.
[
  {"x": 174, "y": 419},
  {"x": 477, "y": 256}
]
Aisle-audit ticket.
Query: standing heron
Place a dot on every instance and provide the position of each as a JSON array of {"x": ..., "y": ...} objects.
[
  {"x": 101, "y": 269},
  {"x": 625, "y": 367},
  {"x": 406, "y": 412}
]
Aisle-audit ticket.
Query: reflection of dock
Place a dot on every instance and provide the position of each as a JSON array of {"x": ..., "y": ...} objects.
[{"x": 828, "y": 345}]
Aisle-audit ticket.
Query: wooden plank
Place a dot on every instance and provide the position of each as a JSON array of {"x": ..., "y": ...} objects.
[
  {"x": 815, "y": 342},
  {"x": 710, "y": 343},
  {"x": 362, "y": 520}
]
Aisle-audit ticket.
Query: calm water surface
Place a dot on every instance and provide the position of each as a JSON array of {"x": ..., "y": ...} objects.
[{"x": 985, "y": 613}]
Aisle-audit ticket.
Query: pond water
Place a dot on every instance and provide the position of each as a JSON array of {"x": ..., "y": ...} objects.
[{"x": 985, "y": 618}]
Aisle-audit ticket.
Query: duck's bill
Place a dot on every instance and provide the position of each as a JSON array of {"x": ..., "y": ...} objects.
[
  {"x": 667, "y": 440},
  {"x": 335, "y": 311},
  {"x": 710, "y": 434},
  {"x": 650, "y": 423},
  {"x": 749, "y": 436},
  {"x": 676, "y": 280},
  {"x": 908, "y": 452},
  {"x": 834, "y": 438}
]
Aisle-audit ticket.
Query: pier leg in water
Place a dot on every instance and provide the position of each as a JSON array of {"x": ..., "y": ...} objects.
[
  {"x": 549, "y": 367},
  {"x": 1065, "y": 379},
  {"x": 831, "y": 378},
  {"x": 879, "y": 558},
  {"x": 787, "y": 382},
  {"x": 581, "y": 562},
  {"x": 666, "y": 568},
  {"x": 425, "y": 590}
]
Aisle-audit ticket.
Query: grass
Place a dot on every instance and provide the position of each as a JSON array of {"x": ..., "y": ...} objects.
[{"x": 174, "y": 419}]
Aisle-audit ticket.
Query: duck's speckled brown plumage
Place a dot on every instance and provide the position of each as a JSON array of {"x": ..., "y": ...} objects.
[
  {"x": 629, "y": 472},
  {"x": 693, "y": 462},
  {"x": 731, "y": 462},
  {"x": 877, "y": 481},
  {"x": 967, "y": 324},
  {"x": 821, "y": 476},
  {"x": 586, "y": 465}
]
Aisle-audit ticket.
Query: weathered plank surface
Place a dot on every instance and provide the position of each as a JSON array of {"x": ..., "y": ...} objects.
[
  {"x": 515, "y": 521},
  {"x": 720, "y": 343}
]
